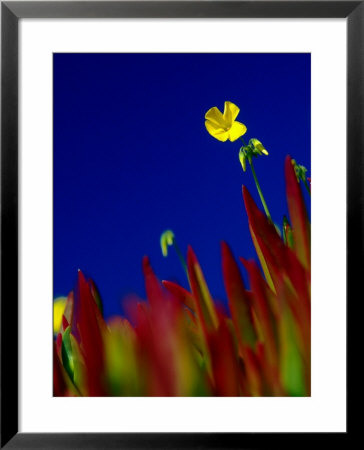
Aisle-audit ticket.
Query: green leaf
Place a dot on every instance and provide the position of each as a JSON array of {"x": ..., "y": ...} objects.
[{"x": 67, "y": 357}]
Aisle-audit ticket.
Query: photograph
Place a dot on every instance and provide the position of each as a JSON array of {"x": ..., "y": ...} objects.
[{"x": 181, "y": 225}]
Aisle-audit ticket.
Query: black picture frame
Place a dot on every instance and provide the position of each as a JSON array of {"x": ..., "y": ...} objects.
[{"x": 11, "y": 12}]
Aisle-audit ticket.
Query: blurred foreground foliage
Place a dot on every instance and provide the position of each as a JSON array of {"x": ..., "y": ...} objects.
[{"x": 180, "y": 343}]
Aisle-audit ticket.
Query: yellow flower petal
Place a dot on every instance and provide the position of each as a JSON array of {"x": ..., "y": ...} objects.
[
  {"x": 215, "y": 116},
  {"x": 216, "y": 131},
  {"x": 58, "y": 310},
  {"x": 237, "y": 130},
  {"x": 231, "y": 112}
]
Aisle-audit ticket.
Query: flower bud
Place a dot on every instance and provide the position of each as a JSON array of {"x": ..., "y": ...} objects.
[
  {"x": 258, "y": 146},
  {"x": 242, "y": 158},
  {"x": 167, "y": 238}
]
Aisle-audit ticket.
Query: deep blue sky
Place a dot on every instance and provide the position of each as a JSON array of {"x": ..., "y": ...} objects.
[{"x": 132, "y": 158}]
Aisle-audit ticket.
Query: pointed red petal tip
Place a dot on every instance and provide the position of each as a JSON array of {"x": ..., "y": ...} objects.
[
  {"x": 225, "y": 255},
  {"x": 154, "y": 290},
  {"x": 146, "y": 265},
  {"x": 148, "y": 269},
  {"x": 191, "y": 256},
  {"x": 230, "y": 268},
  {"x": 247, "y": 262},
  {"x": 297, "y": 214},
  {"x": 81, "y": 277},
  {"x": 225, "y": 249},
  {"x": 180, "y": 293},
  {"x": 244, "y": 261},
  {"x": 250, "y": 204},
  {"x": 65, "y": 323},
  {"x": 146, "y": 260},
  {"x": 289, "y": 171},
  {"x": 174, "y": 287},
  {"x": 191, "y": 261},
  {"x": 81, "y": 283},
  {"x": 245, "y": 192}
]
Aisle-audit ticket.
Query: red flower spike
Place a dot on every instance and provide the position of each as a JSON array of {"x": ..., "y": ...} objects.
[
  {"x": 91, "y": 340},
  {"x": 155, "y": 293},
  {"x": 181, "y": 294},
  {"x": 266, "y": 237},
  {"x": 59, "y": 385},
  {"x": 96, "y": 295},
  {"x": 261, "y": 257},
  {"x": 142, "y": 327},
  {"x": 253, "y": 373},
  {"x": 238, "y": 299},
  {"x": 204, "y": 303},
  {"x": 278, "y": 257},
  {"x": 206, "y": 315},
  {"x": 224, "y": 361},
  {"x": 302, "y": 319},
  {"x": 161, "y": 343},
  {"x": 58, "y": 345},
  {"x": 263, "y": 310},
  {"x": 65, "y": 323},
  {"x": 298, "y": 215},
  {"x": 68, "y": 312}
]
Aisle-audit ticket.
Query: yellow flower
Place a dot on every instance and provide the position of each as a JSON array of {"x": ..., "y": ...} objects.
[
  {"x": 224, "y": 126},
  {"x": 59, "y": 305}
]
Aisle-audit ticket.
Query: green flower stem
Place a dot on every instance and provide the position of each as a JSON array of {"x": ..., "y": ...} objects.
[
  {"x": 241, "y": 138},
  {"x": 180, "y": 256},
  {"x": 259, "y": 190}
]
